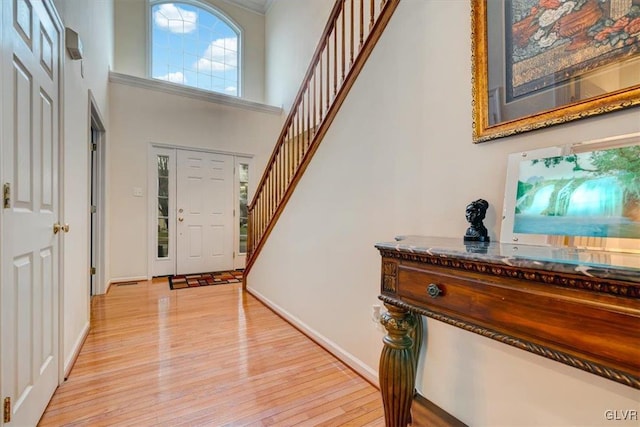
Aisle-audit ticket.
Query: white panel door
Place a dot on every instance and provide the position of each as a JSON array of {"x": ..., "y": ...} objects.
[
  {"x": 29, "y": 147},
  {"x": 204, "y": 212}
]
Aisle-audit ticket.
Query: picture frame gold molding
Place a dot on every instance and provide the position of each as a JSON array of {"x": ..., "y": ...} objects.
[{"x": 484, "y": 131}]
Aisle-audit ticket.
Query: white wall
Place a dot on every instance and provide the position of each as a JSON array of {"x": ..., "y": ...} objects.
[
  {"x": 283, "y": 82},
  {"x": 142, "y": 116},
  {"x": 399, "y": 160},
  {"x": 131, "y": 38},
  {"x": 93, "y": 21}
]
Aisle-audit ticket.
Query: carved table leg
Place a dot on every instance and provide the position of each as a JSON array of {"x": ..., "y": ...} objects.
[
  {"x": 416, "y": 337},
  {"x": 397, "y": 366}
]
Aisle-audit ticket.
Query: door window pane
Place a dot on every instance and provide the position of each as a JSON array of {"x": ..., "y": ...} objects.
[
  {"x": 163, "y": 207},
  {"x": 243, "y": 202}
]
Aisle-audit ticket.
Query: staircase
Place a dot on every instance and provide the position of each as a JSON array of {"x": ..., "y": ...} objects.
[{"x": 353, "y": 29}]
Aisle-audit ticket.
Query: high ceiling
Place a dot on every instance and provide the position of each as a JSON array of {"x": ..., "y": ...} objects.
[{"x": 259, "y": 6}]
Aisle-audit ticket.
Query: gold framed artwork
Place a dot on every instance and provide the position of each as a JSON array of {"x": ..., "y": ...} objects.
[{"x": 538, "y": 63}]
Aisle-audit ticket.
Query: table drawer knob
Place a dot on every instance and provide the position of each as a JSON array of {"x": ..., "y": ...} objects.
[{"x": 434, "y": 290}]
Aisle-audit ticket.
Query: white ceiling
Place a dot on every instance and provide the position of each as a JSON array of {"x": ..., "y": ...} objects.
[{"x": 260, "y": 6}]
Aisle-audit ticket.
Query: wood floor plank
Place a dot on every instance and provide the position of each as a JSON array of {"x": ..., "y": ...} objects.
[
  {"x": 209, "y": 356},
  {"x": 291, "y": 408}
]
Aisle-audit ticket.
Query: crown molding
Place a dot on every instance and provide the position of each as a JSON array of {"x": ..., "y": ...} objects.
[
  {"x": 258, "y": 6},
  {"x": 268, "y": 5}
]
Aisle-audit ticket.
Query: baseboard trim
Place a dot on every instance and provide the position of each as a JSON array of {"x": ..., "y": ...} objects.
[
  {"x": 424, "y": 412},
  {"x": 76, "y": 350},
  {"x": 360, "y": 368},
  {"x": 125, "y": 279}
]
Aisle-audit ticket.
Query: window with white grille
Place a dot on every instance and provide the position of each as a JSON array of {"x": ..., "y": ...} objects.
[{"x": 195, "y": 45}]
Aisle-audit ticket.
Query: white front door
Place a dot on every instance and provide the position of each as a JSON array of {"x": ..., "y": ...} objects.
[
  {"x": 30, "y": 249},
  {"x": 204, "y": 212}
]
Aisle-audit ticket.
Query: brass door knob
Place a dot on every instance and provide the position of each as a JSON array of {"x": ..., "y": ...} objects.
[
  {"x": 57, "y": 227},
  {"x": 180, "y": 219}
]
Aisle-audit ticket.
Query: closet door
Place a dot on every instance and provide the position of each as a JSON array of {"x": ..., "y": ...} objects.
[{"x": 31, "y": 227}]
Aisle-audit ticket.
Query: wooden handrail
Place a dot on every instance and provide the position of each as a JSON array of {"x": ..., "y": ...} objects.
[
  {"x": 307, "y": 76},
  {"x": 325, "y": 86}
]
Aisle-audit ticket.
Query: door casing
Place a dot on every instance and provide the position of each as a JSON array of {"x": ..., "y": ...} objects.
[
  {"x": 96, "y": 126},
  {"x": 155, "y": 149}
]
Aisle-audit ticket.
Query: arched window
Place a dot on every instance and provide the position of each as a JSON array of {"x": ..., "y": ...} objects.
[{"x": 194, "y": 45}]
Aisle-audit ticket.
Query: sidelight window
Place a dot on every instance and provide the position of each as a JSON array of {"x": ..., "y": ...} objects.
[
  {"x": 163, "y": 207},
  {"x": 243, "y": 202}
]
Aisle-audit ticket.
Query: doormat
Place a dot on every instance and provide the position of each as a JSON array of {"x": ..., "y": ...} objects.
[{"x": 182, "y": 281}]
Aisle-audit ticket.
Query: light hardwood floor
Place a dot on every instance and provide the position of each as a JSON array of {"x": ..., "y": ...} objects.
[{"x": 210, "y": 356}]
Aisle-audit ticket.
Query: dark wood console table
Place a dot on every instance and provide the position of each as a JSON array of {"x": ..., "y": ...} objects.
[{"x": 578, "y": 307}]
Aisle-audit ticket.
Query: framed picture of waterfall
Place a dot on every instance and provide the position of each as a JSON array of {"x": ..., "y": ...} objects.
[
  {"x": 552, "y": 61},
  {"x": 589, "y": 190}
]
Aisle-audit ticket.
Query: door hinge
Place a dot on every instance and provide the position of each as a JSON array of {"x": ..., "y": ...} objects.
[
  {"x": 7, "y": 409},
  {"x": 92, "y": 271},
  {"x": 6, "y": 195},
  {"x": 94, "y": 146},
  {"x": 234, "y": 254},
  {"x": 94, "y": 209}
]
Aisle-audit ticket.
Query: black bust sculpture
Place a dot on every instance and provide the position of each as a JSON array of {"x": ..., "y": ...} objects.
[{"x": 475, "y": 213}]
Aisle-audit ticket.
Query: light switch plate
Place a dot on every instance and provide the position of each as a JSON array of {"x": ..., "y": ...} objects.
[{"x": 137, "y": 192}]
